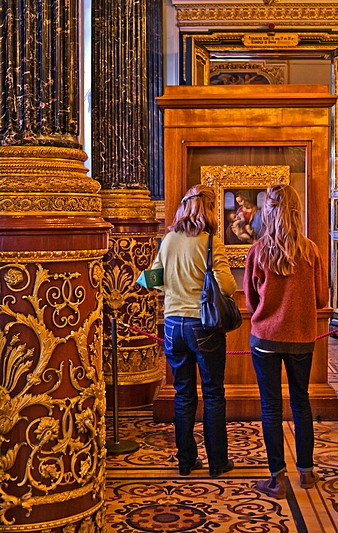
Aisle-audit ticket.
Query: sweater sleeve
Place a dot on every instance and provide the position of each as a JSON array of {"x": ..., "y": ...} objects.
[
  {"x": 321, "y": 282},
  {"x": 250, "y": 283},
  {"x": 157, "y": 262},
  {"x": 221, "y": 268}
]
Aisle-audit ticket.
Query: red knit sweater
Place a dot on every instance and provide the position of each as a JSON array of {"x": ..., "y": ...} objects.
[{"x": 284, "y": 308}]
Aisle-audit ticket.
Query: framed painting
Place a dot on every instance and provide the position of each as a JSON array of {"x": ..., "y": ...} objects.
[
  {"x": 247, "y": 73},
  {"x": 240, "y": 192}
]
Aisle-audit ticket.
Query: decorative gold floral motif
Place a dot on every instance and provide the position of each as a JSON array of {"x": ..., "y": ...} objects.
[
  {"x": 96, "y": 273},
  {"x": 132, "y": 305},
  {"x": 15, "y": 276},
  {"x": 61, "y": 439}
]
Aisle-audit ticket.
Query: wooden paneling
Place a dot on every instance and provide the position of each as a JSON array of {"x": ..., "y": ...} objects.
[{"x": 253, "y": 116}]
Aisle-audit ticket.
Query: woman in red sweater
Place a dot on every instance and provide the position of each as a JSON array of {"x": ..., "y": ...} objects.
[{"x": 283, "y": 272}]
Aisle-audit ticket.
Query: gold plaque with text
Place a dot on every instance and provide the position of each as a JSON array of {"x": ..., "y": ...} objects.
[{"x": 270, "y": 39}]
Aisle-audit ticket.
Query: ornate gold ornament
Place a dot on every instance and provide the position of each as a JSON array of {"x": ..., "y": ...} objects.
[
  {"x": 61, "y": 439},
  {"x": 50, "y": 255},
  {"x": 31, "y": 204},
  {"x": 48, "y": 180},
  {"x": 131, "y": 305},
  {"x": 127, "y": 204},
  {"x": 65, "y": 300},
  {"x": 220, "y": 14}
]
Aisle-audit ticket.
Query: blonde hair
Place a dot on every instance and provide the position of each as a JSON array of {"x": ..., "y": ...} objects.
[
  {"x": 283, "y": 241},
  {"x": 196, "y": 212}
]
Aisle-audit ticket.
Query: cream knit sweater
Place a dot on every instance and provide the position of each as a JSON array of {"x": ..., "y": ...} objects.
[{"x": 184, "y": 261}]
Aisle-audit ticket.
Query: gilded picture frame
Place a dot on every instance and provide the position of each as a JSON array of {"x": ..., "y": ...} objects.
[{"x": 230, "y": 182}]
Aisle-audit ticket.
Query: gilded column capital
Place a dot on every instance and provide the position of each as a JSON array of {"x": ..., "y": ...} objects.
[
  {"x": 46, "y": 180},
  {"x": 127, "y": 204}
]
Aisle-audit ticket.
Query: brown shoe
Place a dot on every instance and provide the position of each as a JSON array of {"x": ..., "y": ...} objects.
[
  {"x": 308, "y": 479},
  {"x": 274, "y": 487}
]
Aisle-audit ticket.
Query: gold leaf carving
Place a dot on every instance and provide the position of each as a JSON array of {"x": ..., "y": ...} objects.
[
  {"x": 127, "y": 256},
  {"x": 48, "y": 203},
  {"x": 51, "y": 255},
  {"x": 66, "y": 300},
  {"x": 64, "y": 445},
  {"x": 218, "y": 14}
]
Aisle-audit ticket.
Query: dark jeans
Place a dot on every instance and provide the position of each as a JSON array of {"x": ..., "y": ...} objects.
[
  {"x": 268, "y": 367},
  {"x": 185, "y": 344}
]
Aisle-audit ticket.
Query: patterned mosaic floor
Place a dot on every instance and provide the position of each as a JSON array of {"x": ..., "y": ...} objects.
[{"x": 145, "y": 493}]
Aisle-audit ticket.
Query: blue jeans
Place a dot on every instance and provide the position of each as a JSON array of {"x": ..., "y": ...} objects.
[
  {"x": 185, "y": 344},
  {"x": 268, "y": 367}
]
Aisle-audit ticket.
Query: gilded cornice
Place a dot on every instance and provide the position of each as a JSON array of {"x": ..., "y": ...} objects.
[
  {"x": 28, "y": 256},
  {"x": 219, "y": 14}
]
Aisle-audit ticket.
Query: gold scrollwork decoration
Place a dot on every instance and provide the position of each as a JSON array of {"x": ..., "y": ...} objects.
[
  {"x": 131, "y": 304},
  {"x": 130, "y": 256},
  {"x": 63, "y": 447},
  {"x": 48, "y": 203},
  {"x": 66, "y": 298},
  {"x": 138, "y": 364}
]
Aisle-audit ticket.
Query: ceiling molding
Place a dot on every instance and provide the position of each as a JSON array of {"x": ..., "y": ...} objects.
[{"x": 224, "y": 14}]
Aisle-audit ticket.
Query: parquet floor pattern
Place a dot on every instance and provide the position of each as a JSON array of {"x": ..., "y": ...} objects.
[{"x": 145, "y": 493}]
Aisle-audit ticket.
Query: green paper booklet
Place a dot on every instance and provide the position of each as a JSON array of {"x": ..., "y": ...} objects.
[{"x": 151, "y": 278}]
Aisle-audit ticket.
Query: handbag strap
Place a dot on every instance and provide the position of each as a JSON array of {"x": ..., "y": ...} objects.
[{"x": 209, "y": 253}]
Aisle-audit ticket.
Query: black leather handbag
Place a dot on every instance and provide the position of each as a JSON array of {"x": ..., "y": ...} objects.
[{"x": 218, "y": 312}]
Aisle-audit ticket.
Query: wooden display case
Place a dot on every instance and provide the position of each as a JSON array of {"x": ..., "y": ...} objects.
[{"x": 250, "y": 128}]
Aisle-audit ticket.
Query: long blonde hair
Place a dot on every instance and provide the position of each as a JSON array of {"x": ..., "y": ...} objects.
[
  {"x": 196, "y": 212},
  {"x": 283, "y": 241}
]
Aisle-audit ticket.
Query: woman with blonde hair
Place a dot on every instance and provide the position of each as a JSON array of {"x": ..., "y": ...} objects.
[
  {"x": 182, "y": 254},
  {"x": 284, "y": 272}
]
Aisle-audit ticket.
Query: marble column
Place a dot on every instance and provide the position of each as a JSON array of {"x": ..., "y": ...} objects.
[
  {"x": 123, "y": 122},
  {"x": 52, "y": 241}
]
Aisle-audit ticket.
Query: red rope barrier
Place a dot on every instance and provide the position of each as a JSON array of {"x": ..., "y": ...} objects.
[{"x": 137, "y": 330}]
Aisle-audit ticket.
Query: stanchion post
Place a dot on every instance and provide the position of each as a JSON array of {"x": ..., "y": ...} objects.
[{"x": 115, "y": 446}]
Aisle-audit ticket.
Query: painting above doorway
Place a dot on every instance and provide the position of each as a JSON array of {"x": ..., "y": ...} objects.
[{"x": 247, "y": 73}]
